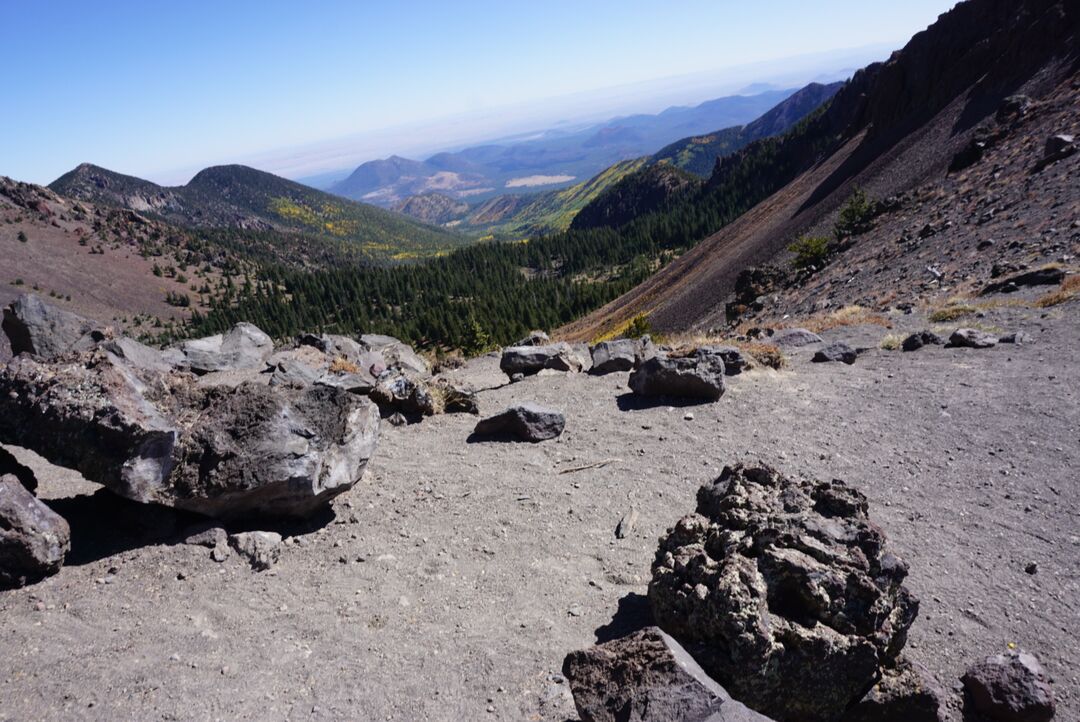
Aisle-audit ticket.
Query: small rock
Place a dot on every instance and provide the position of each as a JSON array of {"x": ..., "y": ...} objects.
[
  {"x": 916, "y": 341},
  {"x": 527, "y": 422},
  {"x": 1032, "y": 568},
  {"x": 397, "y": 419},
  {"x": 972, "y": 338},
  {"x": 260, "y": 548},
  {"x": 1017, "y": 337},
  {"x": 626, "y": 524},
  {"x": 838, "y": 351}
]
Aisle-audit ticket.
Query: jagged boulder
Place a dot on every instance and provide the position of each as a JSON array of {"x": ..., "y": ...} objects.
[
  {"x": 620, "y": 355},
  {"x": 648, "y": 677},
  {"x": 404, "y": 391},
  {"x": 307, "y": 365},
  {"x": 917, "y": 340},
  {"x": 527, "y": 422},
  {"x": 33, "y": 538},
  {"x": 735, "y": 361},
  {"x": 693, "y": 377},
  {"x": 784, "y": 591},
  {"x": 224, "y": 451},
  {"x": 972, "y": 338},
  {"x": 836, "y": 351},
  {"x": 397, "y": 354},
  {"x": 530, "y": 360},
  {"x": 35, "y": 327},
  {"x": 244, "y": 347}
]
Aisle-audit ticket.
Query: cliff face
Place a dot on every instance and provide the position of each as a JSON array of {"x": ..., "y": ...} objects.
[{"x": 893, "y": 128}]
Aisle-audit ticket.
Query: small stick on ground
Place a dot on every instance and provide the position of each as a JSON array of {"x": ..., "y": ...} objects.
[{"x": 594, "y": 465}]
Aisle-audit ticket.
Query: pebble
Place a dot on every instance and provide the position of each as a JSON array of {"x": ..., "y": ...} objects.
[
  {"x": 689, "y": 416},
  {"x": 1032, "y": 568}
]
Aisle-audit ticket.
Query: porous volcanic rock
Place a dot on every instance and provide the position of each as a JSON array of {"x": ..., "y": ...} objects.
[
  {"x": 901, "y": 695},
  {"x": 35, "y": 327},
  {"x": 1010, "y": 687},
  {"x": 528, "y": 422},
  {"x": 694, "y": 377},
  {"x": 33, "y": 538},
  {"x": 530, "y": 360},
  {"x": 225, "y": 451},
  {"x": 648, "y": 677},
  {"x": 784, "y": 591}
]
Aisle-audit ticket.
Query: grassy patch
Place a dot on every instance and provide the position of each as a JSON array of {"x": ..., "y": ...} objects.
[
  {"x": 891, "y": 341},
  {"x": 846, "y": 316},
  {"x": 952, "y": 312}
]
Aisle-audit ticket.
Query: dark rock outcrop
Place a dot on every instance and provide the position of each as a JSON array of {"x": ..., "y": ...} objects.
[
  {"x": 1010, "y": 687},
  {"x": 527, "y": 422},
  {"x": 530, "y": 360},
  {"x": 784, "y": 591},
  {"x": 837, "y": 351},
  {"x": 901, "y": 695},
  {"x": 33, "y": 538},
  {"x": 648, "y": 677},
  {"x": 917, "y": 340},
  {"x": 229, "y": 450},
  {"x": 35, "y": 327},
  {"x": 693, "y": 377},
  {"x": 1048, "y": 276}
]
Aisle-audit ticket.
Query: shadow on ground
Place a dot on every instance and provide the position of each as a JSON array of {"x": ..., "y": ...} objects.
[
  {"x": 632, "y": 402},
  {"x": 633, "y": 614}
]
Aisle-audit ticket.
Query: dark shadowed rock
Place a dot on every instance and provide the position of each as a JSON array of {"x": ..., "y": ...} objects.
[
  {"x": 794, "y": 337},
  {"x": 529, "y": 360},
  {"x": 244, "y": 347},
  {"x": 528, "y": 422},
  {"x": 10, "y": 465},
  {"x": 226, "y": 451},
  {"x": 1010, "y": 687},
  {"x": 972, "y": 338},
  {"x": 694, "y": 377},
  {"x": 35, "y": 327},
  {"x": 901, "y": 695},
  {"x": 1049, "y": 276},
  {"x": 260, "y": 548},
  {"x": 647, "y": 677},
  {"x": 837, "y": 351},
  {"x": 535, "y": 338},
  {"x": 735, "y": 361},
  {"x": 916, "y": 341},
  {"x": 784, "y": 591},
  {"x": 33, "y": 538},
  {"x": 619, "y": 355},
  {"x": 404, "y": 391}
]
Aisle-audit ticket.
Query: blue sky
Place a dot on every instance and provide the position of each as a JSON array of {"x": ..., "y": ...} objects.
[{"x": 161, "y": 89}]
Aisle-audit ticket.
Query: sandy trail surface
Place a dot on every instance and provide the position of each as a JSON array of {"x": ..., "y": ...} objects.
[{"x": 451, "y": 582}]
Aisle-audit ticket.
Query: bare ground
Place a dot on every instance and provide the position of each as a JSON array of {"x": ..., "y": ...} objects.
[{"x": 450, "y": 584}]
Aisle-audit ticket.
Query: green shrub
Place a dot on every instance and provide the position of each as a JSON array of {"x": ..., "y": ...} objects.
[
  {"x": 639, "y": 326},
  {"x": 810, "y": 251},
  {"x": 856, "y": 216}
]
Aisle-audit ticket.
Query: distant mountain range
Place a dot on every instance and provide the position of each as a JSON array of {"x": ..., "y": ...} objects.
[
  {"x": 239, "y": 197},
  {"x": 552, "y": 159},
  {"x": 642, "y": 182}
]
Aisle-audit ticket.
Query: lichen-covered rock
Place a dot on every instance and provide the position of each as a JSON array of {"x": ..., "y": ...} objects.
[
  {"x": 404, "y": 391},
  {"x": 648, "y": 677},
  {"x": 535, "y": 338},
  {"x": 784, "y": 591},
  {"x": 225, "y": 451},
  {"x": 260, "y": 548},
  {"x": 33, "y": 538},
  {"x": 693, "y": 377}
]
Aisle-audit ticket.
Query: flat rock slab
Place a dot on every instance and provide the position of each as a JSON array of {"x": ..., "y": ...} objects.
[
  {"x": 33, "y": 538},
  {"x": 648, "y": 677},
  {"x": 527, "y": 422}
]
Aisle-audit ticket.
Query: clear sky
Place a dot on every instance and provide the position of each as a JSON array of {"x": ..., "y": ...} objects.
[{"x": 154, "y": 88}]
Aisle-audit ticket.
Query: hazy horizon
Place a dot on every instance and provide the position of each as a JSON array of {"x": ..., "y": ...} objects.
[{"x": 168, "y": 91}]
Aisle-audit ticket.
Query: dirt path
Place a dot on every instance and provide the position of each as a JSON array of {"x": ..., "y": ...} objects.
[{"x": 451, "y": 584}]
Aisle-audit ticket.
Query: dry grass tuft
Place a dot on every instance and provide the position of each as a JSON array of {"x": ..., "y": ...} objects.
[
  {"x": 1068, "y": 290},
  {"x": 952, "y": 312},
  {"x": 846, "y": 316},
  {"x": 891, "y": 341},
  {"x": 342, "y": 365},
  {"x": 766, "y": 354}
]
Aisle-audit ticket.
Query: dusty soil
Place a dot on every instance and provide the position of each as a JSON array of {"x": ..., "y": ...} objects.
[{"x": 450, "y": 583}]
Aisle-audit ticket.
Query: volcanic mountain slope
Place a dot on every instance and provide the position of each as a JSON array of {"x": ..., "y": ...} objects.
[
  {"x": 698, "y": 153},
  {"x": 239, "y": 197},
  {"x": 895, "y": 130}
]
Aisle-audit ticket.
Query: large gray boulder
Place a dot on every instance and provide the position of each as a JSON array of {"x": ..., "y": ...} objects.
[
  {"x": 35, "y": 327},
  {"x": 648, "y": 677},
  {"x": 397, "y": 353},
  {"x": 784, "y": 591},
  {"x": 530, "y": 360},
  {"x": 836, "y": 351},
  {"x": 1010, "y": 687},
  {"x": 33, "y": 538},
  {"x": 244, "y": 347},
  {"x": 623, "y": 354},
  {"x": 794, "y": 338},
  {"x": 527, "y": 422},
  {"x": 404, "y": 391},
  {"x": 224, "y": 451},
  {"x": 693, "y": 377}
]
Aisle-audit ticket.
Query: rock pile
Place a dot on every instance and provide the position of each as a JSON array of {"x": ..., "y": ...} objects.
[{"x": 786, "y": 593}]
